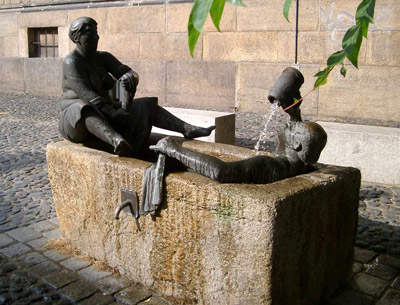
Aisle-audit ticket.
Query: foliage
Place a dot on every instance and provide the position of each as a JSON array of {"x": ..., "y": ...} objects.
[{"x": 351, "y": 41}]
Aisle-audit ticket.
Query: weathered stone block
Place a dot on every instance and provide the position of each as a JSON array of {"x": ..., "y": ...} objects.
[
  {"x": 12, "y": 70},
  {"x": 8, "y": 24},
  {"x": 167, "y": 46},
  {"x": 65, "y": 45},
  {"x": 150, "y": 18},
  {"x": 286, "y": 47},
  {"x": 201, "y": 85},
  {"x": 23, "y": 48},
  {"x": 1, "y": 46},
  {"x": 43, "y": 19},
  {"x": 11, "y": 46},
  {"x": 350, "y": 97},
  {"x": 123, "y": 46},
  {"x": 384, "y": 49},
  {"x": 289, "y": 242},
  {"x": 34, "y": 70},
  {"x": 240, "y": 46},
  {"x": 178, "y": 16}
]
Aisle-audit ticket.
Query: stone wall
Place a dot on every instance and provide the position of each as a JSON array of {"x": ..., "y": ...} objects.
[{"x": 233, "y": 69}]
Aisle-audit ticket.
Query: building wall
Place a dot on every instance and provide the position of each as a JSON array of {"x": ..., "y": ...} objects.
[{"x": 230, "y": 70}]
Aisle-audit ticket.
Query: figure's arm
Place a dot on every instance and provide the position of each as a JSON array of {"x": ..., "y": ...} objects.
[
  {"x": 260, "y": 169},
  {"x": 78, "y": 81},
  {"x": 129, "y": 78}
]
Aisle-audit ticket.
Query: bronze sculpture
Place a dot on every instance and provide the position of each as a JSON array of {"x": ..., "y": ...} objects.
[
  {"x": 300, "y": 146},
  {"x": 89, "y": 112}
]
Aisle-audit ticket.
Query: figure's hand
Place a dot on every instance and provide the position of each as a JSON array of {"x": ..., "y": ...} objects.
[
  {"x": 129, "y": 81},
  {"x": 166, "y": 146}
]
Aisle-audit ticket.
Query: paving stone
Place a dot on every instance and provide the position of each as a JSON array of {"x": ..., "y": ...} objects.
[
  {"x": 110, "y": 285},
  {"x": 38, "y": 244},
  {"x": 56, "y": 256},
  {"x": 389, "y": 260},
  {"x": 382, "y": 271},
  {"x": 132, "y": 295},
  {"x": 396, "y": 283},
  {"x": 391, "y": 297},
  {"x": 93, "y": 274},
  {"x": 24, "y": 234},
  {"x": 58, "y": 280},
  {"x": 42, "y": 226},
  {"x": 159, "y": 301},
  {"x": 370, "y": 285},
  {"x": 52, "y": 234},
  {"x": 357, "y": 267},
  {"x": 363, "y": 256},
  {"x": 97, "y": 299},
  {"x": 5, "y": 240},
  {"x": 44, "y": 268},
  {"x": 75, "y": 264},
  {"x": 15, "y": 250},
  {"x": 78, "y": 290},
  {"x": 55, "y": 221},
  {"x": 31, "y": 259}
]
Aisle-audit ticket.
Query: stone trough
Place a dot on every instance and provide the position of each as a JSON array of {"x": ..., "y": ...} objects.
[{"x": 285, "y": 243}]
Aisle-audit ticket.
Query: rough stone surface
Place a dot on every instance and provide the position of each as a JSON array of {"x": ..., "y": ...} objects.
[
  {"x": 75, "y": 263},
  {"x": 230, "y": 226}
]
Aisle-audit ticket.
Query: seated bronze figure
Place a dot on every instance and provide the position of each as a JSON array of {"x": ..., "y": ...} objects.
[
  {"x": 300, "y": 146},
  {"x": 89, "y": 112}
]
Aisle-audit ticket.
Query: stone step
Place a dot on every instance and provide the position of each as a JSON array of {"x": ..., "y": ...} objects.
[{"x": 374, "y": 150}]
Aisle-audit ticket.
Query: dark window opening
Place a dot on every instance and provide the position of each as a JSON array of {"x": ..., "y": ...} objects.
[{"x": 43, "y": 42}]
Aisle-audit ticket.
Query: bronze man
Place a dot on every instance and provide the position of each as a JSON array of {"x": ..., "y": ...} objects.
[{"x": 88, "y": 111}]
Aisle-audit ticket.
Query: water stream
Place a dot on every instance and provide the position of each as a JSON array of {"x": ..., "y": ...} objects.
[{"x": 264, "y": 133}]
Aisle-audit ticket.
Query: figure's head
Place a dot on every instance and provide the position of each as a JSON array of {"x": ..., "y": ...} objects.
[
  {"x": 83, "y": 32},
  {"x": 308, "y": 139}
]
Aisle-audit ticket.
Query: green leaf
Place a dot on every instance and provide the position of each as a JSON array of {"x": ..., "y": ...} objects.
[
  {"x": 365, "y": 11},
  {"x": 364, "y": 27},
  {"x": 336, "y": 58},
  {"x": 351, "y": 43},
  {"x": 237, "y": 2},
  {"x": 343, "y": 71},
  {"x": 199, "y": 13},
  {"x": 286, "y": 9},
  {"x": 216, "y": 11},
  {"x": 322, "y": 77},
  {"x": 193, "y": 35}
]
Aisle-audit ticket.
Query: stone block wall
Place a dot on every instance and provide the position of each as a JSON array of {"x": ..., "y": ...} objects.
[{"x": 234, "y": 69}]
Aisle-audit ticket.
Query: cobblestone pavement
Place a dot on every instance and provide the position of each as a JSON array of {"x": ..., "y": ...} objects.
[{"x": 32, "y": 274}]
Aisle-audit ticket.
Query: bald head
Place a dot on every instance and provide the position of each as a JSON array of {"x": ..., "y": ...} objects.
[{"x": 307, "y": 138}]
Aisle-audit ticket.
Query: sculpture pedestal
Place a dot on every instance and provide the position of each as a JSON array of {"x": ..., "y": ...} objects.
[{"x": 287, "y": 243}]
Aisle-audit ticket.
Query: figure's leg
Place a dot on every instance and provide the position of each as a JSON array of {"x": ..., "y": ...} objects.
[
  {"x": 99, "y": 127},
  {"x": 166, "y": 120}
]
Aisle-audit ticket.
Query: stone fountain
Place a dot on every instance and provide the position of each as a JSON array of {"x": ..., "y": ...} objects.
[{"x": 288, "y": 242}]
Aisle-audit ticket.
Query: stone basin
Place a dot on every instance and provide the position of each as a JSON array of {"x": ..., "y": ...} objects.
[{"x": 285, "y": 243}]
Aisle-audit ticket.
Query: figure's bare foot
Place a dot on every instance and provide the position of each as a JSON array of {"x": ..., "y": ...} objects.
[
  {"x": 166, "y": 146},
  {"x": 197, "y": 132}
]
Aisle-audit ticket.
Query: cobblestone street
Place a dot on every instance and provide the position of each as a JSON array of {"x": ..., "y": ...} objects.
[{"x": 30, "y": 272}]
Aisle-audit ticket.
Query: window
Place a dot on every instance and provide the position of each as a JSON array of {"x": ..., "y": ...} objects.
[{"x": 43, "y": 42}]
